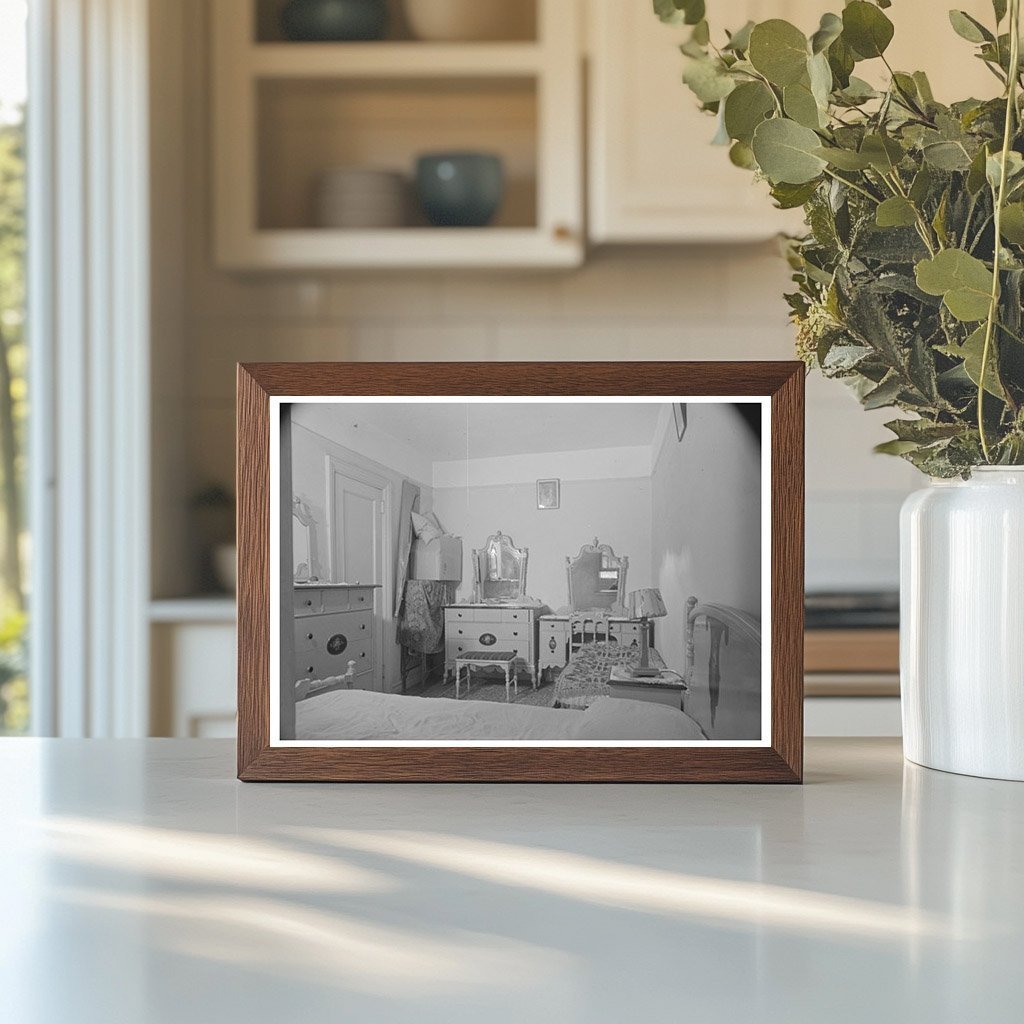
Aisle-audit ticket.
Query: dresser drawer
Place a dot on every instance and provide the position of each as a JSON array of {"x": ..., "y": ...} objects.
[
  {"x": 480, "y": 632},
  {"x": 308, "y": 602},
  {"x": 516, "y": 615},
  {"x": 358, "y": 600},
  {"x": 548, "y": 627},
  {"x": 318, "y": 662},
  {"x": 317, "y": 631},
  {"x": 459, "y": 615},
  {"x": 336, "y": 601},
  {"x": 625, "y": 630}
]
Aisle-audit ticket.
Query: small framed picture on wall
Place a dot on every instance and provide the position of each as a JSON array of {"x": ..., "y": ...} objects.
[
  {"x": 404, "y": 616},
  {"x": 548, "y": 494}
]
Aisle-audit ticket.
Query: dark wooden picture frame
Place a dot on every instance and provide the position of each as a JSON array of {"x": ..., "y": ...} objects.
[{"x": 779, "y": 761}]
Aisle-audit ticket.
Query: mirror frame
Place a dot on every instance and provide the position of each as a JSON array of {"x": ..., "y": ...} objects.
[{"x": 480, "y": 580}]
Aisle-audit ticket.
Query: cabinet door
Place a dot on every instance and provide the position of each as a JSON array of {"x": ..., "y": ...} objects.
[{"x": 654, "y": 175}]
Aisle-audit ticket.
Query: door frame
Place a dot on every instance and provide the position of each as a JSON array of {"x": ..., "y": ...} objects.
[{"x": 382, "y": 598}]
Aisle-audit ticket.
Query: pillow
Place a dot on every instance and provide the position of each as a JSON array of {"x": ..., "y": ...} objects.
[
  {"x": 617, "y": 718},
  {"x": 424, "y": 529}
]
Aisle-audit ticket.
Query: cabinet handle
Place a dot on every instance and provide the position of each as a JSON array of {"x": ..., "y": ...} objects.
[
  {"x": 563, "y": 233},
  {"x": 309, "y": 604},
  {"x": 310, "y": 670},
  {"x": 515, "y": 633},
  {"x": 363, "y": 626},
  {"x": 309, "y": 636}
]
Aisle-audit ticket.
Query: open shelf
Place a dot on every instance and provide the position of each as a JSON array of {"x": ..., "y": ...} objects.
[
  {"x": 308, "y": 127},
  {"x": 520, "y": 17},
  {"x": 288, "y": 113}
]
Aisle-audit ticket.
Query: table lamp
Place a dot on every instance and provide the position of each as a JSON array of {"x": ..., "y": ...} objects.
[{"x": 645, "y": 604}]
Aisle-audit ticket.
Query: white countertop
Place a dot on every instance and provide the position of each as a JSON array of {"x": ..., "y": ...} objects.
[{"x": 142, "y": 884}]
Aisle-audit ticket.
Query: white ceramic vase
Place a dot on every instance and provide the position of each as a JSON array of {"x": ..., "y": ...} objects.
[{"x": 962, "y": 624}]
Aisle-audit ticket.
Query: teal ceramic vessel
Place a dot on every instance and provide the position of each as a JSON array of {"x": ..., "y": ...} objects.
[
  {"x": 461, "y": 190},
  {"x": 334, "y": 21}
]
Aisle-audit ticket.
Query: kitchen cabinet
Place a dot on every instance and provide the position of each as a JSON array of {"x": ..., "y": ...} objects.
[
  {"x": 653, "y": 175},
  {"x": 287, "y": 113}
]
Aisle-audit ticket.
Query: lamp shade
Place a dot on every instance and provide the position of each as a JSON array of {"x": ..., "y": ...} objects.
[{"x": 646, "y": 604}]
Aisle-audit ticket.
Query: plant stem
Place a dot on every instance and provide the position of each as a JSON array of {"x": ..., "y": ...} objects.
[
  {"x": 993, "y": 309},
  {"x": 856, "y": 188}
]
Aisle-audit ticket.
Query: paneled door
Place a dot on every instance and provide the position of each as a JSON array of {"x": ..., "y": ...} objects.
[{"x": 357, "y": 510}]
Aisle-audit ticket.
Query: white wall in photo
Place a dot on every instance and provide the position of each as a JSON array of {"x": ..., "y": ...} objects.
[{"x": 706, "y": 516}]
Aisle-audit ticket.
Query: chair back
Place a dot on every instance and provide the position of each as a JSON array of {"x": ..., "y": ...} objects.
[{"x": 587, "y": 628}]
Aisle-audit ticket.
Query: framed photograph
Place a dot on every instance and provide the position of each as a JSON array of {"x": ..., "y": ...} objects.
[
  {"x": 405, "y": 612},
  {"x": 548, "y": 494}
]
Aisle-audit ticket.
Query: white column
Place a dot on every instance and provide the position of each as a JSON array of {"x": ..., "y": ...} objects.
[{"x": 89, "y": 335}]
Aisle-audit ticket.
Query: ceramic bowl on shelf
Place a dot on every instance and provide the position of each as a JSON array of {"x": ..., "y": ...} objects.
[
  {"x": 460, "y": 189},
  {"x": 361, "y": 198},
  {"x": 470, "y": 20},
  {"x": 332, "y": 21}
]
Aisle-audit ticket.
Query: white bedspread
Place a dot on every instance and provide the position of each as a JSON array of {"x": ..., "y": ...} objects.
[{"x": 362, "y": 715}]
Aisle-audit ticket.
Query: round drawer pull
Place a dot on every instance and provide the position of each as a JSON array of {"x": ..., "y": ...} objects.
[
  {"x": 310, "y": 670},
  {"x": 363, "y": 655},
  {"x": 363, "y": 626},
  {"x": 515, "y": 633},
  {"x": 309, "y": 604},
  {"x": 309, "y": 636}
]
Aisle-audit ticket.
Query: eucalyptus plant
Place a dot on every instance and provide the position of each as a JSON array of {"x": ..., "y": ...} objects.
[{"x": 909, "y": 280}]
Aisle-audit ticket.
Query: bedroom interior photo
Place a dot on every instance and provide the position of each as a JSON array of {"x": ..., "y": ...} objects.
[{"x": 576, "y": 572}]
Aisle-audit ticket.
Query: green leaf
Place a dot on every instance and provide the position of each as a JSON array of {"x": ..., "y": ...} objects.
[
  {"x": 739, "y": 41},
  {"x": 778, "y": 50},
  {"x": 976, "y": 173},
  {"x": 829, "y": 30},
  {"x": 947, "y": 156},
  {"x": 844, "y": 159},
  {"x": 969, "y": 28},
  {"x": 924, "y": 87},
  {"x": 789, "y": 197},
  {"x": 921, "y": 185},
  {"x": 896, "y": 212},
  {"x": 999, "y": 7},
  {"x": 895, "y": 447},
  {"x": 963, "y": 281},
  {"x": 741, "y": 155},
  {"x": 745, "y": 108},
  {"x": 800, "y": 105},
  {"x": 841, "y": 60},
  {"x": 708, "y": 80},
  {"x": 866, "y": 29},
  {"x": 994, "y": 169},
  {"x": 971, "y": 352},
  {"x": 883, "y": 153},
  {"x": 785, "y": 152},
  {"x": 679, "y": 12},
  {"x": 820, "y": 76},
  {"x": 1012, "y": 225},
  {"x": 885, "y": 394}
]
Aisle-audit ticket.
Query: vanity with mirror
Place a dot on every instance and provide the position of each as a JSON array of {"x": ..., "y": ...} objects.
[
  {"x": 596, "y": 579},
  {"x": 500, "y": 617}
]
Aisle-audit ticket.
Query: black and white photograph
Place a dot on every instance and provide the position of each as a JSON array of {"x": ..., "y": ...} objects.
[{"x": 502, "y": 572}]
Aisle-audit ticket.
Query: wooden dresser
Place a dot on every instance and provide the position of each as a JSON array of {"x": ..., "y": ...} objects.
[
  {"x": 554, "y": 638},
  {"x": 483, "y": 627},
  {"x": 334, "y": 624}
]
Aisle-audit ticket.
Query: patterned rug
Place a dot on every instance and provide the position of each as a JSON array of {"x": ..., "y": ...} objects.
[{"x": 487, "y": 685}]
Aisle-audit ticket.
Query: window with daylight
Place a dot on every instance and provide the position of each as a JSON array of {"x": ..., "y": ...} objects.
[{"x": 14, "y": 541}]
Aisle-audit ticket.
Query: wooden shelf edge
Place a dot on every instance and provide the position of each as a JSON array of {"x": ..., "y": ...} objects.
[
  {"x": 392, "y": 60},
  {"x": 852, "y": 650}
]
